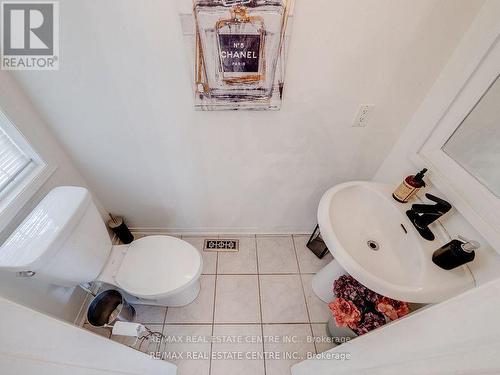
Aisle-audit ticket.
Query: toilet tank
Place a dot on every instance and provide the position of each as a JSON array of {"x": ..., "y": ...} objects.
[{"x": 63, "y": 241}]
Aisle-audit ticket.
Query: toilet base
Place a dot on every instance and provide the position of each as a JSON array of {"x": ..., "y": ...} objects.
[{"x": 182, "y": 298}]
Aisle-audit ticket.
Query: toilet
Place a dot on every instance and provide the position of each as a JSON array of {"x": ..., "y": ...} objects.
[{"x": 64, "y": 242}]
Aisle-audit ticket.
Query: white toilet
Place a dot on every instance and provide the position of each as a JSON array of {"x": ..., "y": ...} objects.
[{"x": 64, "y": 241}]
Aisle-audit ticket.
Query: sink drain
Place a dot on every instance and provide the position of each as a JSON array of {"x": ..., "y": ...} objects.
[{"x": 373, "y": 245}]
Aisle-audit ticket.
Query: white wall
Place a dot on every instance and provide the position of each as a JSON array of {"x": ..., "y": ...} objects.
[
  {"x": 33, "y": 343},
  {"x": 454, "y": 337},
  {"x": 398, "y": 164},
  {"x": 60, "y": 302},
  {"x": 122, "y": 106}
]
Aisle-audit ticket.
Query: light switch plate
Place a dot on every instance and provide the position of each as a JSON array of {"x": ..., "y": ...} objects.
[{"x": 364, "y": 115}]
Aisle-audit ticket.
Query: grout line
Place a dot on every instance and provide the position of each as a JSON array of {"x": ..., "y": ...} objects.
[
  {"x": 260, "y": 306},
  {"x": 204, "y": 323},
  {"x": 213, "y": 310},
  {"x": 237, "y": 323},
  {"x": 304, "y": 295},
  {"x": 188, "y": 324},
  {"x": 163, "y": 329},
  {"x": 256, "y": 274},
  {"x": 296, "y": 255}
]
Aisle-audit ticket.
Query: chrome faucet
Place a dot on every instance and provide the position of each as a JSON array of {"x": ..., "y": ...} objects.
[{"x": 423, "y": 215}]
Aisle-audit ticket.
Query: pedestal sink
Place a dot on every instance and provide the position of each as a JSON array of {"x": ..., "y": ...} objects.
[{"x": 371, "y": 238}]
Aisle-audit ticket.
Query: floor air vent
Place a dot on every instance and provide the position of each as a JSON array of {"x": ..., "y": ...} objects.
[{"x": 221, "y": 245}]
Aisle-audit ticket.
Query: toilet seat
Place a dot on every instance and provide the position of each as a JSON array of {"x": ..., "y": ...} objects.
[{"x": 155, "y": 267}]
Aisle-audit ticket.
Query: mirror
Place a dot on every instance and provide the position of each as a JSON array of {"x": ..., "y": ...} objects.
[{"x": 475, "y": 145}]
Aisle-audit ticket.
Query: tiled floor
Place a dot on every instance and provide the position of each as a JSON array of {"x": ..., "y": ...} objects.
[{"x": 256, "y": 312}]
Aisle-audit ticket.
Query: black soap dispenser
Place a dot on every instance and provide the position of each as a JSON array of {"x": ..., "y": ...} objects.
[{"x": 455, "y": 253}]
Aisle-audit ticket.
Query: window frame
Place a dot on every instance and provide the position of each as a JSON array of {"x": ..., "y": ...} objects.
[{"x": 29, "y": 181}]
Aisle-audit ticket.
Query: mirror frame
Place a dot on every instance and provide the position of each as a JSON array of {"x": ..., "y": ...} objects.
[{"x": 469, "y": 196}]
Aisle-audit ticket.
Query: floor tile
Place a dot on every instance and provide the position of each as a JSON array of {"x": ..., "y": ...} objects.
[
  {"x": 198, "y": 311},
  {"x": 104, "y": 332},
  {"x": 289, "y": 340},
  {"x": 146, "y": 343},
  {"x": 209, "y": 258},
  {"x": 242, "y": 262},
  {"x": 282, "y": 299},
  {"x": 308, "y": 262},
  {"x": 323, "y": 341},
  {"x": 237, "y": 299},
  {"x": 187, "y": 346},
  {"x": 245, "y": 345},
  {"x": 145, "y": 314},
  {"x": 276, "y": 255},
  {"x": 318, "y": 310}
]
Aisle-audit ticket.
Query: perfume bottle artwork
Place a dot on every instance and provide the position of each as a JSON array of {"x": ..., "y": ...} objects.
[{"x": 240, "y": 53}]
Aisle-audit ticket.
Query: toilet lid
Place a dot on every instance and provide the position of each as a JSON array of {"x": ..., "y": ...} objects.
[{"x": 158, "y": 265}]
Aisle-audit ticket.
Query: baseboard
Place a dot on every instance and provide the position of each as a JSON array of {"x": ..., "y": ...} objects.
[{"x": 222, "y": 231}]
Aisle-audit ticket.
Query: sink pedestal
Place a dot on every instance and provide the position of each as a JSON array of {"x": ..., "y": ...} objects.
[{"x": 322, "y": 282}]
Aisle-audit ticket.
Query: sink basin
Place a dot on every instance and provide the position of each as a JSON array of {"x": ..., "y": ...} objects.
[{"x": 371, "y": 238}]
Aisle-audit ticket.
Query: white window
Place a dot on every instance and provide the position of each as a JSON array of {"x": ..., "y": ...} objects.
[
  {"x": 13, "y": 162},
  {"x": 22, "y": 171}
]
